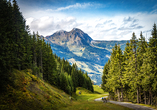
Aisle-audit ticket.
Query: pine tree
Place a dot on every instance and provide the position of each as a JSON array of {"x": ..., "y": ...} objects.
[
  {"x": 141, "y": 50},
  {"x": 21, "y": 50},
  {"x": 6, "y": 50},
  {"x": 150, "y": 66},
  {"x": 104, "y": 76},
  {"x": 19, "y": 31}
]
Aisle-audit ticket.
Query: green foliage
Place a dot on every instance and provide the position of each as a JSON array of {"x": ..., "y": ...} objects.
[
  {"x": 85, "y": 100},
  {"x": 28, "y": 92},
  {"x": 132, "y": 75},
  {"x": 20, "y": 50},
  {"x": 94, "y": 106},
  {"x": 76, "y": 78},
  {"x": 88, "y": 95}
]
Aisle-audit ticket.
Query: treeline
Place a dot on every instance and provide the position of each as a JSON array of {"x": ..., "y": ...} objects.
[
  {"x": 71, "y": 77},
  {"x": 21, "y": 50},
  {"x": 131, "y": 75}
]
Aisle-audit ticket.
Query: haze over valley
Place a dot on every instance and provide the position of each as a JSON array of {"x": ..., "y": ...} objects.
[{"x": 78, "y": 47}]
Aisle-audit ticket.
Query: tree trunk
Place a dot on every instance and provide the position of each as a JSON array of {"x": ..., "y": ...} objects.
[
  {"x": 155, "y": 100},
  {"x": 41, "y": 61},
  {"x": 137, "y": 95},
  {"x": 35, "y": 60},
  {"x": 150, "y": 96},
  {"x": 118, "y": 94},
  {"x": 140, "y": 99},
  {"x": 121, "y": 93},
  {"x": 145, "y": 98}
]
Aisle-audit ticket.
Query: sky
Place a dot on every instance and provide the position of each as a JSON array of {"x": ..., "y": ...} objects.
[{"x": 100, "y": 19}]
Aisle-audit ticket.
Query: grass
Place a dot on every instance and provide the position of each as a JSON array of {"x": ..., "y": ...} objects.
[
  {"x": 151, "y": 106},
  {"x": 88, "y": 95},
  {"x": 27, "y": 92},
  {"x": 94, "y": 106},
  {"x": 85, "y": 101},
  {"x": 98, "y": 90}
]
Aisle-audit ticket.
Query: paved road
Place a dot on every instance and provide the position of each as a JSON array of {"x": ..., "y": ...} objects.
[
  {"x": 129, "y": 105},
  {"x": 99, "y": 99},
  {"x": 133, "y": 106}
]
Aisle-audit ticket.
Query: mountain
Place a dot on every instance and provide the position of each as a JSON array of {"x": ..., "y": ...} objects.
[
  {"x": 78, "y": 47},
  {"x": 75, "y": 37}
]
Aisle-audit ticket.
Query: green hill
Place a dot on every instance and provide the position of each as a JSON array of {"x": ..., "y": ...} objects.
[
  {"x": 27, "y": 92},
  {"x": 85, "y": 101},
  {"x": 87, "y": 95}
]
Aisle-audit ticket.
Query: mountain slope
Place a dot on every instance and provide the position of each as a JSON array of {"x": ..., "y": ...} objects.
[
  {"x": 78, "y": 47},
  {"x": 74, "y": 37},
  {"x": 27, "y": 92}
]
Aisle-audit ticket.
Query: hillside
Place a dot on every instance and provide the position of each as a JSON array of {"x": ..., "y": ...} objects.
[
  {"x": 20, "y": 51},
  {"x": 78, "y": 47},
  {"x": 85, "y": 101},
  {"x": 27, "y": 92}
]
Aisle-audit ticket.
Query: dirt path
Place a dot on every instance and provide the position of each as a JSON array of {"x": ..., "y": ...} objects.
[{"x": 129, "y": 105}]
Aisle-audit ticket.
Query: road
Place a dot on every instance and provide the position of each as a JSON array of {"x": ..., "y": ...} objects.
[
  {"x": 99, "y": 99},
  {"x": 129, "y": 105}
]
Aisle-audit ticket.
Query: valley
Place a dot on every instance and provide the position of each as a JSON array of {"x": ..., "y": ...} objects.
[
  {"x": 69, "y": 70},
  {"x": 78, "y": 47}
]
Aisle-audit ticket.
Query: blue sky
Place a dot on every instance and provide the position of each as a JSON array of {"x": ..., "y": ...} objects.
[{"x": 100, "y": 19}]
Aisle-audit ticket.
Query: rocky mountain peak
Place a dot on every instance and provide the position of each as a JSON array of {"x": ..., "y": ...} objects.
[
  {"x": 74, "y": 37},
  {"x": 76, "y": 29},
  {"x": 61, "y": 31}
]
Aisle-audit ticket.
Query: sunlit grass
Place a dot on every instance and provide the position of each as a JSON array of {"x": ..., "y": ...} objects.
[
  {"x": 87, "y": 95},
  {"x": 98, "y": 90},
  {"x": 28, "y": 92},
  {"x": 85, "y": 101},
  {"x": 151, "y": 106},
  {"x": 84, "y": 105}
]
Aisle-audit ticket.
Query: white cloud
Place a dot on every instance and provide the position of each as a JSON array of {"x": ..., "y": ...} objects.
[
  {"x": 119, "y": 27},
  {"x": 77, "y": 5},
  {"x": 154, "y": 11},
  {"x": 48, "y": 25}
]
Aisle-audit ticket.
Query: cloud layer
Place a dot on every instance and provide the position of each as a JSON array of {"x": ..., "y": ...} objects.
[{"x": 117, "y": 27}]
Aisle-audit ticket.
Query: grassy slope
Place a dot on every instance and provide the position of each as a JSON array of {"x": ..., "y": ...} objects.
[
  {"x": 85, "y": 101},
  {"x": 27, "y": 92},
  {"x": 98, "y": 90},
  {"x": 94, "y": 106},
  {"x": 88, "y": 95}
]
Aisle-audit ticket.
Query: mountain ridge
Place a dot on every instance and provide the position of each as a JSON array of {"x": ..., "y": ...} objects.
[
  {"x": 78, "y": 47},
  {"x": 73, "y": 37}
]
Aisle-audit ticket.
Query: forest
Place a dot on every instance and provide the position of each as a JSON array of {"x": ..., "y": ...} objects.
[
  {"x": 21, "y": 51},
  {"x": 131, "y": 75}
]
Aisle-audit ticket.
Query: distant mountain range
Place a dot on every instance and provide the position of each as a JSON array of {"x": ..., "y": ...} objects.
[{"x": 78, "y": 47}]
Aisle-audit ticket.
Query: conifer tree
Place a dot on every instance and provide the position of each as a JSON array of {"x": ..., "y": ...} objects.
[
  {"x": 149, "y": 66},
  {"x": 133, "y": 66},
  {"x": 21, "y": 50},
  {"x": 104, "y": 76}
]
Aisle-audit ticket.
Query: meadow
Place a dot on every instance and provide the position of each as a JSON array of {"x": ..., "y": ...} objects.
[{"x": 85, "y": 101}]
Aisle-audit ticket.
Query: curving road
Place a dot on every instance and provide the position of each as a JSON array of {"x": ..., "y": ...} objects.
[
  {"x": 129, "y": 105},
  {"x": 99, "y": 99}
]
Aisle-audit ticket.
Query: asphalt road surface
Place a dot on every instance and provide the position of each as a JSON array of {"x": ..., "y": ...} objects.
[{"x": 129, "y": 105}]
